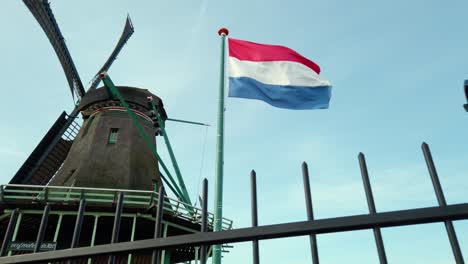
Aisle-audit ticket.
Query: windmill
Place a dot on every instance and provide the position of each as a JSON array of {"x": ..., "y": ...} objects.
[
  {"x": 88, "y": 149},
  {"x": 101, "y": 176}
]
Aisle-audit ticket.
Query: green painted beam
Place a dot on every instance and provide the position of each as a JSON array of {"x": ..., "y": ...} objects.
[{"x": 171, "y": 152}]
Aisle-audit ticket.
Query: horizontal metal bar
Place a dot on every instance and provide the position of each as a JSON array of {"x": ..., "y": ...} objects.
[
  {"x": 71, "y": 193},
  {"x": 186, "y": 121},
  {"x": 331, "y": 225},
  {"x": 74, "y": 213},
  {"x": 99, "y": 214},
  {"x": 74, "y": 188}
]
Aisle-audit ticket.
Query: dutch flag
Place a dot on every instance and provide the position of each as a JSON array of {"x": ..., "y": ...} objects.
[{"x": 276, "y": 75}]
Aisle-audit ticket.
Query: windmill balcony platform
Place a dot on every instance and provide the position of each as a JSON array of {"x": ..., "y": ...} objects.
[{"x": 137, "y": 218}]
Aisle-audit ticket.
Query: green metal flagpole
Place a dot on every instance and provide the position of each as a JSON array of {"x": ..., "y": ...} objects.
[{"x": 218, "y": 214}]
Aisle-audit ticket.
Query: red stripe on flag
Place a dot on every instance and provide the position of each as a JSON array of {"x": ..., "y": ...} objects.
[{"x": 251, "y": 51}]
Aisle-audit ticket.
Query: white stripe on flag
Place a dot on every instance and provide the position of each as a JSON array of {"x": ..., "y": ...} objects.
[{"x": 276, "y": 72}]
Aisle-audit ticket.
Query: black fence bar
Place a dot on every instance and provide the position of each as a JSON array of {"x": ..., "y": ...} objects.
[
  {"x": 156, "y": 257},
  {"x": 466, "y": 94},
  {"x": 321, "y": 226},
  {"x": 442, "y": 202},
  {"x": 253, "y": 192},
  {"x": 371, "y": 205},
  {"x": 310, "y": 212},
  {"x": 9, "y": 232},
  {"x": 116, "y": 226},
  {"x": 42, "y": 228},
  {"x": 204, "y": 219}
]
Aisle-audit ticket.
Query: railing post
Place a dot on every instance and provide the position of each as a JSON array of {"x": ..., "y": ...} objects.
[
  {"x": 57, "y": 228},
  {"x": 42, "y": 228},
  {"x": 17, "y": 227},
  {"x": 310, "y": 212},
  {"x": 165, "y": 253},
  {"x": 156, "y": 257},
  {"x": 253, "y": 193},
  {"x": 78, "y": 224},
  {"x": 442, "y": 203},
  {"x": 46, "y": 194},
  {"x": 116, "y": 227},
  {"x": 204, "y": 219},
  {"x": 132, "y": 238},
  {"x": 93, "y": 235},
  {"x": 371, "y": 205},
  {"x": 196, "y": 252},
  {"x": 9, "y": 232}
]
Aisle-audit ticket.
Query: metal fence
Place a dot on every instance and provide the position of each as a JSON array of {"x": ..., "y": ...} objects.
[{"x": 374, "y": 220}]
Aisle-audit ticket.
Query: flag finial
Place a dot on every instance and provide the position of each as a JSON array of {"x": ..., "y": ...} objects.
[{"x": 222, "y": 31}]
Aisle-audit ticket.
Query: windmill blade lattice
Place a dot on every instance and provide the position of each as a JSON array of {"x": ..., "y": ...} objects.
[
  {"x": 126, "y": 34},
  {"x": 44, "y": 16}
]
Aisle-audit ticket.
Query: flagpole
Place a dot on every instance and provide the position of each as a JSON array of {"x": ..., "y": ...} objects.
[{"x": 218, "y": 214}]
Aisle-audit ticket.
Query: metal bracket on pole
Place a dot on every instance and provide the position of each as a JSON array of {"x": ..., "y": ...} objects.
[{"x": 187, "y": 122}]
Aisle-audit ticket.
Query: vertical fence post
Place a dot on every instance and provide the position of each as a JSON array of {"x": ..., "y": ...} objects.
[
  {"x": 310, "y": 212},
  {"x": 371, "y": 205},
  {"x": 9, "y": 232},
  {"x": 253, "y": 192},
  {"x": 42, "y": 228},
  {"x": 204, "y": 219},
  {"x": 442, "y": 203},
  {"x": 156, "y": 257},
  {"x": 116, "y": 227}
]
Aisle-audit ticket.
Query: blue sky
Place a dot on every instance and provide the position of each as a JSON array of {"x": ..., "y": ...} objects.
[{"x": 397, "y": 68}]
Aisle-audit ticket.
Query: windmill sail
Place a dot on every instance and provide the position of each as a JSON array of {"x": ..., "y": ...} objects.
[
  {"x": 50, "y": 153},
  {"x": 44, "y": 16},
  {"x": 126, "y": 34}
]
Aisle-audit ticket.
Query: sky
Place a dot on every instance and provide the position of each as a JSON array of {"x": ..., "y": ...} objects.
[{"x": 397, "y": 69}]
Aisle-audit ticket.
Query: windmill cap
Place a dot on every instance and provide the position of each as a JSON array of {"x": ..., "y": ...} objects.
[{"x": 131, "y": 95}]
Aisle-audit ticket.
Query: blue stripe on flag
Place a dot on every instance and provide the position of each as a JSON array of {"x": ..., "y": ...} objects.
[{"x": 283, "y": 96}]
